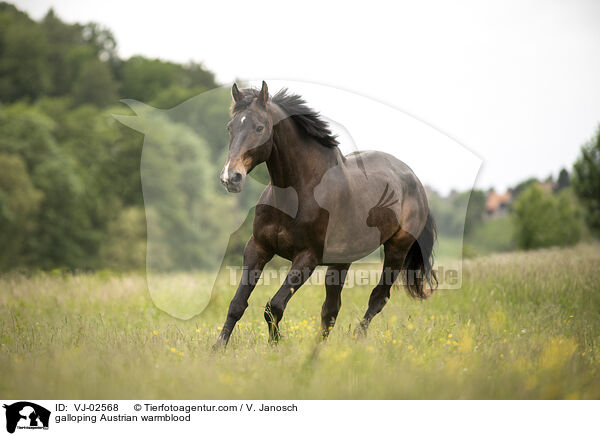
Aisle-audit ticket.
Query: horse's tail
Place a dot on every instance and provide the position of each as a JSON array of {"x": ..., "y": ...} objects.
[{"x": 418, "y": 265}]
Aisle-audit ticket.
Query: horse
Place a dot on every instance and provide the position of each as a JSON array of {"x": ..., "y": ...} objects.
[{"x": 319, "y": 209}]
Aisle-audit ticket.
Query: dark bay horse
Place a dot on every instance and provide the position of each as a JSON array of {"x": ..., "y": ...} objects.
[{"x": 322, "y": 208}]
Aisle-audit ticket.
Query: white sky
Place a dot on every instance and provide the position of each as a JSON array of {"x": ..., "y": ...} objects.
[{"x": 517, "y": 82}]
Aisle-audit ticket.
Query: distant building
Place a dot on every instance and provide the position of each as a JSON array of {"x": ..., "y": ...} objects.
[{"x": 496, "y": 205}]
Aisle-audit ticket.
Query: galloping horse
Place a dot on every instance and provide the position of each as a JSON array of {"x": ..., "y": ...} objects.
[{"x": 320, "y": 208}]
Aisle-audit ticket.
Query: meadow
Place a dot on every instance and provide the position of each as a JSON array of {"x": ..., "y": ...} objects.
[{"x": 525, "y": 325}]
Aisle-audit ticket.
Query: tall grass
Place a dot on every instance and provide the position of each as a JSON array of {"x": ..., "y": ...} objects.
[{"x": 525, "y": 325}]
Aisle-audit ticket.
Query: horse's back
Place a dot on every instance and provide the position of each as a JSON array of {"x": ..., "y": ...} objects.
[
  {"x": 381, "y": 165},
  {"x": 369, "y": 197}
]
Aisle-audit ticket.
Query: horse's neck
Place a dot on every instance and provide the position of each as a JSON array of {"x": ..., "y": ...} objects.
[{"x": 297, "y": 160}]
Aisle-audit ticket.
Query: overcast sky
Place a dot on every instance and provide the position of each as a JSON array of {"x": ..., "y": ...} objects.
[{"x": 516, "y": 82}]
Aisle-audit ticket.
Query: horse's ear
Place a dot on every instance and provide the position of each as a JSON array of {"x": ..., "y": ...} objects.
[
  {"x": 263, "y": 96},
  {"x": 235, "y": 93}
]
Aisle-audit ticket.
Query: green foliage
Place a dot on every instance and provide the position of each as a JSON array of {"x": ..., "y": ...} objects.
[
  {"x": 69, "y": 160},
  {"x": 70, "y": 189},
  {"x": 176, "y": 170},
  {"x": 95, "y": 84},
  {"x": 53, "y": 58},
  {"x": 523, "y": 186},
  {"x": 563, "y": 181},
  {"x": 586, "y": 181},
  {"x": 490, "y": 235},
  {"x": 447, "y": 215},
  {"x": 449, "y": 212},
  {"x": 542, "y": 219},
  {"x": 124, "y": 247},
  {"x": 475, "y": 210},
  {"x": 145, "y": 79},
  {"x": 19, "y": 204},
  {"x": 23, "y": 53}
]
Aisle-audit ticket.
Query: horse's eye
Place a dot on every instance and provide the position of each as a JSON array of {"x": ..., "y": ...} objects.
[{"x": 259, "y": 129}]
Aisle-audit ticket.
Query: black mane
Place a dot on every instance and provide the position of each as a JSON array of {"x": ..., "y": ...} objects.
[{"x": 295, "y": 107}]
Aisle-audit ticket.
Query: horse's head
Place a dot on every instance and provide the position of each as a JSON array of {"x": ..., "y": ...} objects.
[{"x": 250, "y": 134}]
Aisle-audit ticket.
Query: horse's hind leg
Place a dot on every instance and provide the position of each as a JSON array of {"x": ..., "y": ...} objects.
[
  {"x": 334, "y": 282},
  {"x": 395, "y": 251},
  {"x": 303, "y": 266}
]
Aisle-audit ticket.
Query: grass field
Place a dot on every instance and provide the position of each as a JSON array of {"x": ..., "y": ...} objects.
[{"x": 525, "y": 325}]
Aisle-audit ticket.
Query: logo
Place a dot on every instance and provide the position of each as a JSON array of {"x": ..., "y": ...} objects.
[{"x": 26, "y": 415}]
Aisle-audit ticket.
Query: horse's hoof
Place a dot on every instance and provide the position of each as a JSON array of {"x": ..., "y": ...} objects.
[
  {"x": 219, "y": 345},
  {"x": 274, "y": 338},
  {"x": 325, "y": 332},
  {"x": 274, "y": 341},
  {"x": 360, "y": 332}
]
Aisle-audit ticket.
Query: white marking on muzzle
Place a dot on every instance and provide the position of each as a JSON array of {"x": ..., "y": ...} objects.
[
  {"x": 243, "y": 119},
  {"x": 226, "y": 172}
]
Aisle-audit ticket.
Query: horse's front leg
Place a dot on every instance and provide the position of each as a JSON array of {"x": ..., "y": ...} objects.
[
  {"x": 255, "y": 259},
  {"x": 303, "y": 266}
]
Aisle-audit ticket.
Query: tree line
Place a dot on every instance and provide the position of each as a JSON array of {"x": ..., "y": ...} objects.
[{"x": 70, "y": 189}]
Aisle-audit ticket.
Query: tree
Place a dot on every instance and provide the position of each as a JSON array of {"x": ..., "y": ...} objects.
[
  {"x": 70, "y": 179},
  {"x": 124, "y": 248},
  {"x": 143, "y": 79},
  {"x": 516, "y": 191},
  {"x": 475, "y": 210},
  {"x": 184, "y": 218},
  {"x": 101, "y": 40},
  {"x": 23, "y": 52},
  {"x": 65, "y": 233},
  {"x": 95, "y": 84},
  {"x": 586, "y": 181},
  {"x": 542, "y": 219},
  {"x": 563, "y": 180},
  {"x": 19, "y": 203},
  {"x": 65, "y": 53}
]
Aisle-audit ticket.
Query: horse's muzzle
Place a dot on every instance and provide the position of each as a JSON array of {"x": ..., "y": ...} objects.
[{"x": 232, "y": 180}]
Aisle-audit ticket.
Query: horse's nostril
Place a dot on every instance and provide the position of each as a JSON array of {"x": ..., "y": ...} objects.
[{"x": 236, "y": 177}]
